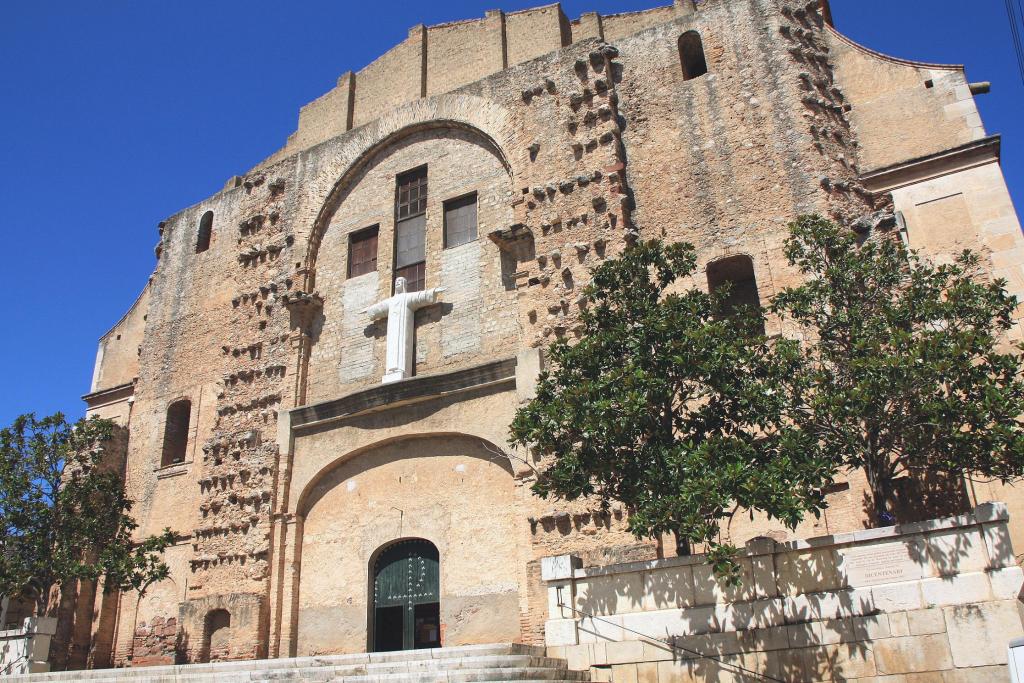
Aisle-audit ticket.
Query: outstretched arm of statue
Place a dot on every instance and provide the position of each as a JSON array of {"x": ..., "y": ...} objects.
[
  {"x": 426, "y": 297},
  {"x": 377, "y": 311}
]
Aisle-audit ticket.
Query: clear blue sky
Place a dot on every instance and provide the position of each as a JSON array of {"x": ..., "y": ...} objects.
[{"x": 117, "y": 114}]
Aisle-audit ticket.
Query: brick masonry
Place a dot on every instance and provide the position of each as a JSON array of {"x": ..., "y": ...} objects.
[{"x": 578, "y": 136}]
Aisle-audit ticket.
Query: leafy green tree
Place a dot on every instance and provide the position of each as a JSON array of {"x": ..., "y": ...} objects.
[
  {"x": 671, "y": 407},
  {"x": 902, "y": 372},
  {"x": 64, "y": 515}
]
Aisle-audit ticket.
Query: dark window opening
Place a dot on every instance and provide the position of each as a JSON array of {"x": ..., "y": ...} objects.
[
  {"x": 738, "y": 273},
  {"x": 691, "y": 55},
  {"x": 411, "y": 228},
  {"x": 387, "y": 629},
  {"x": 176, "y": 432},
  {"x": 205, "y": 232},
  {"x": 427, "y": 626},
  {"x": 683, "y": 548},
  {"x": 362, "y": 252},
  {"x": 216, "y": 641},
  {"x": 460, "y": 221}
]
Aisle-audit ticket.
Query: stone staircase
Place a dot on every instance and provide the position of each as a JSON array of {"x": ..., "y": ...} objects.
[{"x": 469, "y": 664}]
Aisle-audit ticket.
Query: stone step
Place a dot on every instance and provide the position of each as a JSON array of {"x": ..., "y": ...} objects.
[
  {"x": 470, "y": 675},
  {"x": 463, "y": 664},
  {"x": 329, "y": 674},
  {"x": 376, "y": 669}
]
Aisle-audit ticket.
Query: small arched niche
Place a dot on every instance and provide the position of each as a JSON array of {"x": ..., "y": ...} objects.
[
  {"x": 735, "y": 275},
  {"x": 691, "y": 55},
  {"x": 205, "y": 232},
  {"x": 216, "y": 636},
  {"x": 176, "y": 426}
]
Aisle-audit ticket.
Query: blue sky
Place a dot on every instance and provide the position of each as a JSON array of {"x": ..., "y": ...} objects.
[{"x": 117, "y": 114}]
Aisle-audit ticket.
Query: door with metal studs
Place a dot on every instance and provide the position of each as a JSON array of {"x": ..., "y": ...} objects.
[{"x": 406, "y": 602}]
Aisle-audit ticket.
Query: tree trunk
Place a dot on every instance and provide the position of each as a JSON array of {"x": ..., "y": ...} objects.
[{"x": 880, "y": 485}]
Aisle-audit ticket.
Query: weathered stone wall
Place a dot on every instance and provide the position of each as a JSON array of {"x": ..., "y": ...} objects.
[
  {"x": 573, "y": 154},
  {"x": 441, "y": 58},
  {"x": 418, "y": 488},
  {"x": 909, "y": 108},
  {"x": 935, "y": 599},
  {"x": 478, "y": 319},
  {"x": 533, "y": 32},
  {"x": 117, "y": 357}
]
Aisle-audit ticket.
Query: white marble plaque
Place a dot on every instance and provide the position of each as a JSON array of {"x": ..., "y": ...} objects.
[{"x": 882, "y": 563}]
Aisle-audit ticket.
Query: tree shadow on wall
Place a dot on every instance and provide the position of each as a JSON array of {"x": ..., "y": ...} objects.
[
  {"x": 813, "y": 628},
  {"x": 181, "y": 648},
  {"x": 927, "y": 497}
]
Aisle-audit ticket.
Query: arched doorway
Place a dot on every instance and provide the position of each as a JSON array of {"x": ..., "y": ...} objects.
[{"x": 406, "y": 602}]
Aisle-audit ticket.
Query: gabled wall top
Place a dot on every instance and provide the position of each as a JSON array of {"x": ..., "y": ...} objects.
[{"x": 441, "y": 58}]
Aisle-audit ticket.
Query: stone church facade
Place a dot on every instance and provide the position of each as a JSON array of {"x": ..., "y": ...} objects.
[{"x": 322, "y": 510}]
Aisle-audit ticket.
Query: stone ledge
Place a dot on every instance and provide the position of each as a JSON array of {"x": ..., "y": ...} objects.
[
  {"x": 985, "y": 513},
  {"x": 412, "y": 390},
  {"x": 969, "y": 155},
  {"x": 106, "y": 396}
]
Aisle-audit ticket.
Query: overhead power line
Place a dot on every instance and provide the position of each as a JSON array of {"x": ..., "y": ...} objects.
[{"x": 1015, "y": 32}]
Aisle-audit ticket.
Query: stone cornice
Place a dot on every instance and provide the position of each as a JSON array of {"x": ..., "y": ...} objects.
[
  {"x": 109, "y": 395},
  {"x": 974, "y": 153},
  {"x": 405, "y": 392}
]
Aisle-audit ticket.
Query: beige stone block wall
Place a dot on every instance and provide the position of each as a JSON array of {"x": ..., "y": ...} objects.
[
  {"x": 464, "y": 51},
  {"x": 392, "y": 79},
  {"x": 966, "y": 209},
  {"x": 425, "y": 488},
  {"x": 327, "y": 116},
  {"x": 902, "y": 109},
  {"x": 117, "y": 357},
  {"x": 937, "y": 598},
  {"x": 477, "y": 319},
  {"x": 618, "y": 26},
  {"x": 533, "y": 32}
]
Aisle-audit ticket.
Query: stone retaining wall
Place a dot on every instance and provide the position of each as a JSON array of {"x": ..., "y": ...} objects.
[
  {"x": 935, "y": 601},
  {"x": 26, "y": 649}
]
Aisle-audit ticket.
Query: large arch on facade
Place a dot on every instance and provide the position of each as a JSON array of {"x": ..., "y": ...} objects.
[
  {"x": 476, "y": 116},
  {"x": 307, "y": 498},
  {"x": 455, "y": 491}
]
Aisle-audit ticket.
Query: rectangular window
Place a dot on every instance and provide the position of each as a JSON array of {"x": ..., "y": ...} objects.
[
  {"x": 410, "y": 242},
  {"x": 459, "y": 221},
  {"x": 415, "y": 276},
  {"x": 411, "y": 228},
  {"x": 362, "y": 252},
  {"x": 411, "y": 195}
]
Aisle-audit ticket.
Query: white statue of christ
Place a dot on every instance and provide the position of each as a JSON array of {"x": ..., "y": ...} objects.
[{"x": 399, "y": 311}]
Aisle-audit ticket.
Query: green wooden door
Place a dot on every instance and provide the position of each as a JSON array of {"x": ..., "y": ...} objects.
[{"x": 406, "y": 599}]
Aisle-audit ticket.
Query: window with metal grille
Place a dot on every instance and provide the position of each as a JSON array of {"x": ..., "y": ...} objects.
[
  {"x": 362, "y": 252},
  {"x": 411, "y": 228},
  {"x": 459, "y": 221},
  {"x": 411, "y": 194},
  {"x": 415, "y": 276}
]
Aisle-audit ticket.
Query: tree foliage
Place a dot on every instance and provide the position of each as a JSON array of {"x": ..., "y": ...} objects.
[
  {"x": 671, "y": 407},
  {"x": 64, "y": 516},
  {"x": 902, "y": 373}
]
